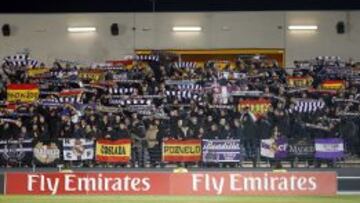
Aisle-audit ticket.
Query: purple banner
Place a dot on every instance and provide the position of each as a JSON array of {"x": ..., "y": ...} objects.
[
  {"x": 271, "y": 148},
  {"x": 218, "y": 151},
  {"x": 329, "y": 148},
  {"x": 281, "y": 151}
]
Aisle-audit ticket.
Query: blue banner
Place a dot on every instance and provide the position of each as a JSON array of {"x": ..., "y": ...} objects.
[
  {"x": 13, "y": 152},
  {"x": 218, "y": 151}
]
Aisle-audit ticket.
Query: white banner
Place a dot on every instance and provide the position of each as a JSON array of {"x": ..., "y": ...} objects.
[
  {"x": 78, "y": 149},
  {"x": 267, "y": 148}
]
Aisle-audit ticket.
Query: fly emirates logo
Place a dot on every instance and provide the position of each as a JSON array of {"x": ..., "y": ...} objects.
[
  {"x": 94, "y": 183},
  {"x": 263, "y": 182}
]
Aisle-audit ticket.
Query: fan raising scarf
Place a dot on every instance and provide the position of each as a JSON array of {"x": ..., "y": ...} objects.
[{"x": 307, "y": 105}]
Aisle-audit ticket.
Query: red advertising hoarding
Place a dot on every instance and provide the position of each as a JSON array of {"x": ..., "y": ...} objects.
[{"x": 158, "y": 183}]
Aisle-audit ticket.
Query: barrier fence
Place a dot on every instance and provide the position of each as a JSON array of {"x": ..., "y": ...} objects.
[{"x": 123, "y": 151}]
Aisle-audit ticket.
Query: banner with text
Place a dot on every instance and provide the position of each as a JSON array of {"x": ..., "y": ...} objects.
[
  {"x": 333, "y": 85},
  {"x": 181, "y": 151},
  {"x": 166, "y": 183},
  {"x": 329, "y": 148},
  {"x": 272, "y": 148},
  {"x": 258, "y": 107},
  {"x": 14, "y": 152},
  {"x": 78, "y": 149},
  {"x": 92, "y": 74},
  {"x": 46, "y": 153},
  {"x": 221, "y": 150},
  {"x": 113, "y": 151},
  {"x": 301, "y": 148},
  {"x": 22, "y": 92}
]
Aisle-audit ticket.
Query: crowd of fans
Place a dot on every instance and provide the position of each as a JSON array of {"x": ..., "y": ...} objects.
[{"x": 152, "y": 100}]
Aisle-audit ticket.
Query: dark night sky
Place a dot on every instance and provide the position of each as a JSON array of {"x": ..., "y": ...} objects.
[{"x": 57, "y": 6}]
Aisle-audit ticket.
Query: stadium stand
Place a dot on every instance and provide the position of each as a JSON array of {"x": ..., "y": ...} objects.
[{"x": 145, "y": 112}]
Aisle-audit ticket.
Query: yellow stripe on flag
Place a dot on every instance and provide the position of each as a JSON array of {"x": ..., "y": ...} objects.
[{"x": 119, "y": 150}]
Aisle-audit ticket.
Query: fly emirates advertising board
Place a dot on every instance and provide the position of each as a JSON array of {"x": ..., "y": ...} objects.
[{"x": 197, "y": 183}]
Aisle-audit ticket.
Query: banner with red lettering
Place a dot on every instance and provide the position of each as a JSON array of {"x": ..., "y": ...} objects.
[
  {"x": 166, "y": 183},
  {"x": 181, "y": 151}
]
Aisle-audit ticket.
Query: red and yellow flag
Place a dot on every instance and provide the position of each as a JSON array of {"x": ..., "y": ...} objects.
[
  {"x": 181, "y": 151},
  {"x": 127, "y": 63},
  {"x": 256, "y": 106},
  {"x": 113, "y": 151},
  {"x": 304, "y": 81},
  {"x": 22, "y": 92},
  {"x": 333, "y": 85},
  {"x": 37, "y": 72},
  {"x": 93, "y": 75}
]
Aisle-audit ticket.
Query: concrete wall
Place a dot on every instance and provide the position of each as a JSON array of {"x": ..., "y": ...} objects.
[{"x": 46, "y": 36}]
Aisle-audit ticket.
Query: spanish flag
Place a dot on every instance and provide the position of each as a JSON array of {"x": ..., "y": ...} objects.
[
  {"x": 127, "y": 63},
  {"x": 333, "y": 85},
  {"x": 37, "y": 72},
  {"x": 93, "y": 75},
  {"x": 113, "y": 151},
  {"x": 256, "y": 106},
  {"x": 181, "y": 150},
  {"x": 294, "y": 81},
  {"x": 22, "y": 92}
]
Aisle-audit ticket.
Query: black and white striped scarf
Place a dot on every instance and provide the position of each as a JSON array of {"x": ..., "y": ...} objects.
[
  {"x": 147, "y": 58},
  {"x": 129, "y": 102},
  {"x": 307, "y": 105},
  {"x": 120, "y": 90},
  {"x": 189, "y": 86},
  {"x": 61, "y": 100},
  {"x": 70, "y": 99},
  {"x": 185, "y": 64},
  {"x": 21, "y": 60},
  {"x": 183, "y": 95}
]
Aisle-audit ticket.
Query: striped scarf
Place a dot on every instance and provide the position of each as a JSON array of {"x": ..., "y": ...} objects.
[
  {"x": 185, "y": 64},
  {"x": 183, "y": 95},
  {"x": 21, "y": 60},
  {"x": 147, "y": 58},
  {"x": 130, "y": 102},
  {"x": 307, "y": 105},
  {"x": 120, "y": 90},
  {"x": 189, "y": 86}
]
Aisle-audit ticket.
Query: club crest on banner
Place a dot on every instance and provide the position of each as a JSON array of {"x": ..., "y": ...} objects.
[{"x": 46, "y": 153}]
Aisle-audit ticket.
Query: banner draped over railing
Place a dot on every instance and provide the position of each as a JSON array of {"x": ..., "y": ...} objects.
[
  {"x": 50, "y": 153},
  {"x": 16, "y": 151},
  {"x": 78, "y": 149},
  {"x": 329, "y": 148},
  {"x": 181, "y": 151},
  {"x": 221, "y": 150},
  {"x": 272, "y": 148},
  {"x": 47, "y": 153},
  {"x": 113, "y": 151}
]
